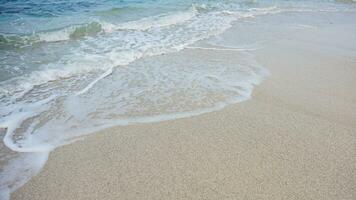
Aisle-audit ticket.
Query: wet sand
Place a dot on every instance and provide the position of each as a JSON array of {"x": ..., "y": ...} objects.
[{"x": 294, "y": 139}]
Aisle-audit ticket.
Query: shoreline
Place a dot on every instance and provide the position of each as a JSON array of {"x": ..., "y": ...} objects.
[{"x": 293, "y": 139}]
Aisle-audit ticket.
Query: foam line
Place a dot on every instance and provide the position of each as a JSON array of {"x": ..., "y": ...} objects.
[
  {"x": 15, "y": 120},
  {"x": 105, "y": 74},
  {"x": 221, "y": 49}
]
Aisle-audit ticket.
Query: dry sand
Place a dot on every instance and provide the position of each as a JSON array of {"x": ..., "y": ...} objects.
[{"x": 295, "y": 139}]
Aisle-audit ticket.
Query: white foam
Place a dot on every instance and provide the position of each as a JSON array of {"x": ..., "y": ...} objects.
[
  {"x": 20, "y": 170},
  {"x": 142, "y": 92},
  {"x": 254, "y": 12},
  {"x": 124, "y": 48},
  {"x": 105, "y": 74},
  {"x": 13, "y": 121},
  {"x": 222, "y": 48}
]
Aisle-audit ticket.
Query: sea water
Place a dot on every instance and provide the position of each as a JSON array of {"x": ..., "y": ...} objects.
[{"x": 70, "y": 68}]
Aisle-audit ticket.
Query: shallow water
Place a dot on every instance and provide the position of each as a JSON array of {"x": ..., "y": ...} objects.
[{"x": 69, "y": 68}]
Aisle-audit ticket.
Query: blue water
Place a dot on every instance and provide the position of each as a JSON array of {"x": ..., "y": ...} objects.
[
  {"x": 29, "y": 29},
  {"x": 69, "y": 68}
]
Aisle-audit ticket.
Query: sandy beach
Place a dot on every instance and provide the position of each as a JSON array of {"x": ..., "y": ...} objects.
[{"x": 294, "y": 139}]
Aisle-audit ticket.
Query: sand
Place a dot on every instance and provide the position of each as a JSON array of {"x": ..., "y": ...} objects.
[{"x": 294, "y": 139}]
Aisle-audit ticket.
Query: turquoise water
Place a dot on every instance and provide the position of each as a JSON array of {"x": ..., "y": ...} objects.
[
  {"x": 69, "y": 68},
  {"x": 31, "y": 29}
]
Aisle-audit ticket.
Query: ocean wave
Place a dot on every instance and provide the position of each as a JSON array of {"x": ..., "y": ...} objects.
[
  {"x": 135, "y": 44},
  {"x": 124, "y": 43},
  {"x": 119, "y": 48},
  {"x": 73, "y": 32},
  {"x": 94, "y": 28},
  {"x": 67, "y": 33}
]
